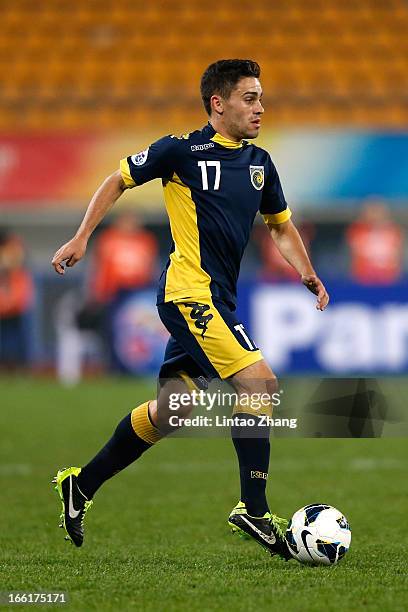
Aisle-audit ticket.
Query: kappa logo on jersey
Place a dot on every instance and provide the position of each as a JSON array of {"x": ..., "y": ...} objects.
[
  {"x": 257, "y": 176},
  {"x": 200, "y": 319},
  {"x": 140, "y": 158},
  {"x": 202, "y": 147}
]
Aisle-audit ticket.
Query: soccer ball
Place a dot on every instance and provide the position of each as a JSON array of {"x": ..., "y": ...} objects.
[{"x": 318, "y": 534}]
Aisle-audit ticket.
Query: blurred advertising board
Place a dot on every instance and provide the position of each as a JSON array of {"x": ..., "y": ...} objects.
[
  {"x": 138, "y": 336},
  {"x": 363, "y": 331},
  {"x": 318, "y": 168}
]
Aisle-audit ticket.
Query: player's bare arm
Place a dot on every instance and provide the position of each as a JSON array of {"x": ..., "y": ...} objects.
[
  {"x": 100, "y": 204},
  {"x": 291, "y": 247}
]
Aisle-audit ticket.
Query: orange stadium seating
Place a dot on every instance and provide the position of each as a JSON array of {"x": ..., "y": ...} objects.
[{"x": 116, "y": 63}]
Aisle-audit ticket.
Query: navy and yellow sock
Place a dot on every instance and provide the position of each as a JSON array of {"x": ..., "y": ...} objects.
[{"x": 132, "y": 437}]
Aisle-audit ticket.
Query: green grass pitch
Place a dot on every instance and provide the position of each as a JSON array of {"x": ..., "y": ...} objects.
[{"x": 157, "y": 537}]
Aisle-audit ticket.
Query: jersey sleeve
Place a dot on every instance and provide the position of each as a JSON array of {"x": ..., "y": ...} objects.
[
  {"x": 274, "y": 208},
  {"x": 157, "y": 161}
]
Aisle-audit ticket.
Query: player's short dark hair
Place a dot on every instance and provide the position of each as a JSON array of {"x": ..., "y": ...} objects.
[{"x": 222, "y": 76}]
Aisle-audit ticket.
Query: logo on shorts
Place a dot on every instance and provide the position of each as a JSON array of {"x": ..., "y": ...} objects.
[
  {"x": 198, "y": 315},
  {"x": 257, "y": 176},
  {"x": 140, "y": 158}
]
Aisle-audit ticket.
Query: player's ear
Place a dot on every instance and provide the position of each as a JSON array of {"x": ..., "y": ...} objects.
[{"x": 217, "y": 104}]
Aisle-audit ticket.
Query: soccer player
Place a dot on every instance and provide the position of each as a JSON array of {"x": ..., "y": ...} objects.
[{"x": 214, "y": 183}]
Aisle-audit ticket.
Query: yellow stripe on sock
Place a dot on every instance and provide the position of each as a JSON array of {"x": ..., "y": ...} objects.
[{"x": 143, "y": 426}]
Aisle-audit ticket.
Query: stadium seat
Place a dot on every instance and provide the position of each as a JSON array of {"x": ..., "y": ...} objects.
[{"x": 322, "y": 61}]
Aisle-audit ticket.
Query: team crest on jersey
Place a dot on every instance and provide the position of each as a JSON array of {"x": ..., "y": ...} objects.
[
  {"x": 140, "y": 158},
  {"x": 257, "y": 176}
]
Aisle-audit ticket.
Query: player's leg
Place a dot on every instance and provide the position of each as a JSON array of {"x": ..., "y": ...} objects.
[
  {"x": 234, "y": 356},
  {"x": 231, "y": 352},
  {"x": 136, "y": 433},
  {"x": 251, "y": 516},
  {"x": 252, "y": 443},
  {"x": 76, "y": 486}
]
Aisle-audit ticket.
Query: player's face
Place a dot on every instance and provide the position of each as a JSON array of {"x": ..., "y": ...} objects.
[{"x": 243, "y": 109}]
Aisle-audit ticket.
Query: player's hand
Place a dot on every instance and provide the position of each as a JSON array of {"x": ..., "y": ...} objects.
[
  {"x": 315, "y": 285},
  {"x": 71, "y": 253}
]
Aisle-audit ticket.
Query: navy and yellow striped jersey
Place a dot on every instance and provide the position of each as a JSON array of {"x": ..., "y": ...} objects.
[{"x": 213, "y": 188}]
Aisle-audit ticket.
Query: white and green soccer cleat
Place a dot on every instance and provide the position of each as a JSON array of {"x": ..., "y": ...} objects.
[{"x": 74, "y": 504}]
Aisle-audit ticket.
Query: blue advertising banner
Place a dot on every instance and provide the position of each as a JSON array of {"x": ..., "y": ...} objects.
[
  {"x": 363, "y": 331},
  {"x": 321, "y": 167}
]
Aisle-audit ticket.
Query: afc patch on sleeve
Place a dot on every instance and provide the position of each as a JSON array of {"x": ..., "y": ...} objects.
[
  {"x": 257, "y": 176},
  {"x": 140, "y": 158}
]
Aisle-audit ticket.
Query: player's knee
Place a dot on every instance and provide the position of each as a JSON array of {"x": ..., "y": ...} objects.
[
  {"x": 263, "y": 380},
  {"x": 255, "y": 387},
  {"x": 170, "y": 408}
]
